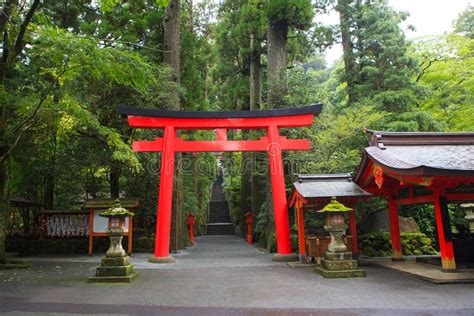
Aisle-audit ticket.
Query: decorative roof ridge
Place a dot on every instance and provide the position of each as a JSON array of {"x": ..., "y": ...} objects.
[
  {"x": 382, "y": 139},
  {"x": 328, "y": 177}
]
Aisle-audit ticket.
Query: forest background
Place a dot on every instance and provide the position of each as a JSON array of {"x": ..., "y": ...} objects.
[{"x": 65, "y": 65}]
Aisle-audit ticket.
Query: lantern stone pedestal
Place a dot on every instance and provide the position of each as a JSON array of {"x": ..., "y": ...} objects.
[
  {"x": 114, "y": 270},
  {"x": 339, "y": 265},
  {"x": 337, "y": 262},
  {"x": 115, "y": 267}
]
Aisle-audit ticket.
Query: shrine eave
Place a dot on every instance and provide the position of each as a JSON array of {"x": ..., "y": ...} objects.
[
  {"x": 443, "y": 155},
  {"x": 301, "y": 110},
  {"x": 322, "y": 187}
]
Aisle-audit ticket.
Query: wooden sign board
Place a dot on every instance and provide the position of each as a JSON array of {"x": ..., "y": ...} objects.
[
  {"x": 101, "y": 223},
  {"x": 98, "y": 228}
]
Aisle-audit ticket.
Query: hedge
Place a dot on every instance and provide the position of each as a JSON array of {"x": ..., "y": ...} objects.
[{"x": 380, "y": 245}]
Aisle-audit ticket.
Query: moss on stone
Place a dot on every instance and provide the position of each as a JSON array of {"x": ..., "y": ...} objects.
[
  {"x": 15, "y": 264},
  {"x": 335, "y": 206}
]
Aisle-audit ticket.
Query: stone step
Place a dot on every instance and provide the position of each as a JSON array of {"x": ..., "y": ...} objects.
[
  {"x": 225, "y": 219},
  {"x": 340, "y": 273},
  {"x": 120, "y": 261},
  {"x": 113, "y": 271},
  {"x": 113, "y": 279},
  {"x": 338, "y": 255},
  {"x": 220, "y": 229},
  {"x": 334, "y": 265}
]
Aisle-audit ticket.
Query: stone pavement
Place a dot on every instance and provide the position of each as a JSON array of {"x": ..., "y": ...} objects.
[
  {"x": 427, "y": 272},
  {"x": 222, "y": 275}
]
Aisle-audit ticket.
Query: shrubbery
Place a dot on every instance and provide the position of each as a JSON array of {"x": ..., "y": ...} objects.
[{"x": 380, "y": 245}]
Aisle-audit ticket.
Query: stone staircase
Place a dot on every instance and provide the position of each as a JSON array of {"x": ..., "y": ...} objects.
[{"x": 219, "y": 222}]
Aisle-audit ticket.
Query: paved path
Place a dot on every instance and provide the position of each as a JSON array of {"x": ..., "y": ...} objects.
[{"x": 222, "y": 275}]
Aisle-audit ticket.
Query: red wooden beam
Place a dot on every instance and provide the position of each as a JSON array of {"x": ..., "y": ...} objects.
[
  {"x": 460, "y": 197},
  {"x": 181, "y": 145},
  {"x": 148, "y": 146},
  {"x": 216, "y": 123},
  {"x": 430, "y": 199},
  {"x": 414, "y": 200},
  {"x": 405, "y": 179}
]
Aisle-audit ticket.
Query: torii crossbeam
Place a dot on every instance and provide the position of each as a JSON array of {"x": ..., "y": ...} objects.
[{"x": 169, "y": 144}]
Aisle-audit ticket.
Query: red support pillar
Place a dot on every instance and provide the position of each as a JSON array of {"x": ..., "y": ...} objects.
[
  {"x": 444, "y": 232},
  {"x": 397, "y": 254},
  {"x": 280, "y": 206},
  {"x": 353, "y": 230},
  {"x": 301, "y": 234},
  {"x": 163, "y": 223}
]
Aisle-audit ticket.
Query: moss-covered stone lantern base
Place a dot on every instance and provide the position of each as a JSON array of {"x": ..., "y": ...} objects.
[
  {"x": 115, "y": 266},
  {"x": 114, "y": 270},
  {"x": 339, "y": 265},
  {"x": 337, "y": 262}
]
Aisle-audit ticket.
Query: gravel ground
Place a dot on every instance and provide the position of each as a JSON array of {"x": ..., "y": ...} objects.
[{"x": 222, "y": 275}]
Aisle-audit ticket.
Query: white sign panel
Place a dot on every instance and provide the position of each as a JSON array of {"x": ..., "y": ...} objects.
[{"x": 101, "y": 223}]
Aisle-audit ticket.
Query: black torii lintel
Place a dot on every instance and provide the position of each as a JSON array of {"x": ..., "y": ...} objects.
[{"x": 308, "y": 109}]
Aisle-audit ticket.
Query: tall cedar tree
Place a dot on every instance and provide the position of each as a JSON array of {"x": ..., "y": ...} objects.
[{"x": 377, "y": 65}]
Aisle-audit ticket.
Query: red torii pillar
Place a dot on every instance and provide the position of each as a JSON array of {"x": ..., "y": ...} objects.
[{"x": 169, "y": 144}]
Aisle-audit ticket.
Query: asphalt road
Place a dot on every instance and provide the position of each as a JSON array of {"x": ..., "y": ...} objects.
[{"x": 222, "y": 275}]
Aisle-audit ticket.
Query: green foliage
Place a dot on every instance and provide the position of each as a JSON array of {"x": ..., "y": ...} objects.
[
  {"x": 83, "y": 57},
  {"x": 239, "y": 21},
  {"x": 379, "y": 244},
  {"x": 295, "y": 13},
  {"x": 109, "y": 5},
  {"x": 424, "y": 217},
  {"x": 385, "y": 70},
  {"x": 465, "y": 22},
  {"x": 446, "y": 74}
]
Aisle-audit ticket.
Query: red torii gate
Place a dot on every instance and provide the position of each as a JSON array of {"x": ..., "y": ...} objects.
[{"x": 169, "y": 144}]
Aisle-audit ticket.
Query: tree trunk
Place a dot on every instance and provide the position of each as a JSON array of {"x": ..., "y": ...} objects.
[
  {"x": 4, "y": 169},
  {"x": 277, "y": 88},
  {"x": 245, "y": 185},
  {"x": 171, "y": 39},
  {"x": 276, "y": 41},
  {"x": 7, "y": 62},
  {"x": 255, "y": 77},
  {"x": 4, "y": 200},
  {"x": 171, "y": 56},
  {"x": 49, "y": 190},
  {"x": 189, "y": 15},
  {"x": 255, "y": 104},
  {"x": 50, "y": 177},
  {"x": 114, "y": 179},
  {"x": 347, "y": 49}
]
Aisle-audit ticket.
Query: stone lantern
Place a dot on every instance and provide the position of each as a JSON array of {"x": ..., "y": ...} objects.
[
  {"x": 115, "y": 266},
  {"x": 337, "y": 262},
  {"x": 249, "y": 219},
  {"x": 469, "y": 208}
]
